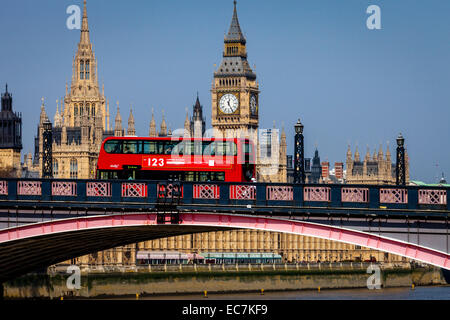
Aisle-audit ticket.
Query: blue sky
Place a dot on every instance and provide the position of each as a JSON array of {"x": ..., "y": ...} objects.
[{"x": 314, "y": 59}]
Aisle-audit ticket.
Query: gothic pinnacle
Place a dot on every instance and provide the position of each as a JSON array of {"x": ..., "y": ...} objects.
[{"x": 84, "y": 39}]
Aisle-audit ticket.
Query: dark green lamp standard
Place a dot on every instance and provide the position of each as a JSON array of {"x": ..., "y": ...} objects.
[{"x": 299, "y": 158}]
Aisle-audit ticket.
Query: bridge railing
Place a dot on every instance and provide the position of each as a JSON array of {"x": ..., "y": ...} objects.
[{"x": 221, "y": 193}]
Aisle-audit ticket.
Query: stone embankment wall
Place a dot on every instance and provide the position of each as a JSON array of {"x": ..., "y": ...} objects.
[{"x": 234, "y": 279}]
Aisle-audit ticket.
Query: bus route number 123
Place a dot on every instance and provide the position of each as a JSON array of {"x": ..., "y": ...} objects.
[{"x": 155, "y": 162}]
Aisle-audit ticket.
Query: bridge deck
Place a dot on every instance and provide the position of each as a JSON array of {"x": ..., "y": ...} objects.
[{"x": 256, "y": 198}]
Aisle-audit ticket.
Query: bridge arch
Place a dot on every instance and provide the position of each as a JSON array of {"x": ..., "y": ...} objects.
[{"x": 28, "y": 247}]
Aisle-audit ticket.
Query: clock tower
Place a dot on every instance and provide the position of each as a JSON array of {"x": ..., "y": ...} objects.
[{"x": 235, "y": 103}]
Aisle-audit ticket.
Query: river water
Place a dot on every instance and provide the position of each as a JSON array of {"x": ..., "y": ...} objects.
[{"x": 418, "y": 293}]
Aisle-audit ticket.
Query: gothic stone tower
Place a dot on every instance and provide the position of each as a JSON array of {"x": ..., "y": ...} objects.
[
  {"x": 197, "y": 124},
  {"x": 10, "y": 138},
  {"x": 84, "y": 98},
  {"x": 235, "y": 105},
  {"x": 234, "y": 89},
  {"x": 82, "y": 125}
]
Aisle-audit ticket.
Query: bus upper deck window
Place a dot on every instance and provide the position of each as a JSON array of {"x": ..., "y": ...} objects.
[
  {"x": 231, "y": 149},
  {"x": 150, "y": 147},
  {"x": 131, "y": 147},
  {"x": 247, "y": 148},
  {"x": 168, "y": 147},
  {"x": 113, "y": 146}
]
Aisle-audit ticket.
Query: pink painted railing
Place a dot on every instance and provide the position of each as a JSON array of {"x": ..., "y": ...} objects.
[
  {"x": 283, "y": 193},
  {"x": 432, "y": 197},
  {"x": 134, "y": 190},
  {"x": 3, "y": 188},
  {"x": 206, "y": 191},
  {"x": 170, "y": 188},
  {"x": 29, "y": 188},
  {"x": 355, "y": 195},
  {"x": 98, "y": 189},
  {"x": 394, "y": 196},
  {"x": 242, "y": 192},
  {"x": 62, "y": 188},
  {"x": 317, "y": 194}
]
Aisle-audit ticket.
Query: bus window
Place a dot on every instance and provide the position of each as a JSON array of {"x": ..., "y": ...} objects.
[
  {"x": 150, "y": 147},
  {"x": 168, "y": 147},
  {"x": 178, "y": 149},
  {"x": 204, "y": 176},
  {"x": 189, "y": 176},
  {"x": 108, "y": 175},
  {"x": 160, "y": 149},
  {"x": 132, "y": 147},
  {"x": 220, "y": 148},
  {"x": 113, "y": 146},
  {"x": 209, "y": 148},
  {"x": 182, "y": 148},
  {"x": 230, "y": 148},
  {"x": 247, "y": 148},
  {"x": 218, "y": 176}
]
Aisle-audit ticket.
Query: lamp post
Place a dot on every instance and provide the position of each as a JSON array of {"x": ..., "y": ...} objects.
[
  {"x": 47, "y": 157},
  {"x": 400, "y": 165},
  {"x": 299, "y": 161}
]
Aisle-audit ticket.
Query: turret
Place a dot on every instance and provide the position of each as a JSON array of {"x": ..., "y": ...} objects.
[
  {"x": 57, "y": 120},
  {"x": 131, "y": 131},
  {"x": 187, "y": 126},
  {"x": 6, "y": 100},
  {"x": 197, "y": 122},
  {"x": 152, "y": 130},
  {"x": 163, "y": 129},
  {"x": 118, "y": 132},
  {"x": 357, "y": 159}
]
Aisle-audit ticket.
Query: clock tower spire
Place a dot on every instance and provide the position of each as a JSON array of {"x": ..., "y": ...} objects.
[{"x": 234, "y": 89}]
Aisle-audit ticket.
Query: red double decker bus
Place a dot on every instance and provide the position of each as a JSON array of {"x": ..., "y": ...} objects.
[{"x": 180, "y": 159}]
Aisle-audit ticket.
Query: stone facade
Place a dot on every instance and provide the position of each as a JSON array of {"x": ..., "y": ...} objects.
[
  {"x": 10, "y": 165},
  {"x": 376, "y": 169}
]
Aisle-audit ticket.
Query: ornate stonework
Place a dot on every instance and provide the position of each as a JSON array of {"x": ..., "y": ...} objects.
[
  {"x": 236, "y": 107},
  {"x": 83, "y": 123},
  {"x": 375, "y": 169}
]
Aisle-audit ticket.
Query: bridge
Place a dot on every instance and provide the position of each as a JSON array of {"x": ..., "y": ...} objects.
[{"x": 43, "y": 222}]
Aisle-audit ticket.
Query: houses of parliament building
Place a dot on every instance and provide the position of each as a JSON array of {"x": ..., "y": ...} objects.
[{"x": 82, "y": 121}]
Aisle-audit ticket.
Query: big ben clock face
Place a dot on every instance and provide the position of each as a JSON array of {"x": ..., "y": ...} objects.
[{"x": 229, "y": 103}]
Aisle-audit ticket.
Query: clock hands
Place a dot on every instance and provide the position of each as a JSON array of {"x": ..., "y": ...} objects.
[{"x": 228, "y": 103}]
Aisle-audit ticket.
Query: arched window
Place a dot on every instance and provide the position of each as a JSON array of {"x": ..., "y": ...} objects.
[
  {"x": 87, "y": 70},
  {"x": 55, "y": 168},
  {"x": 75, "y": 110},
  {"x": 73, "y": 169},
  {"x": 88, "y": 107},
  {"x": 93, "y": 110},
  {"x": 81, "y": 69}
]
